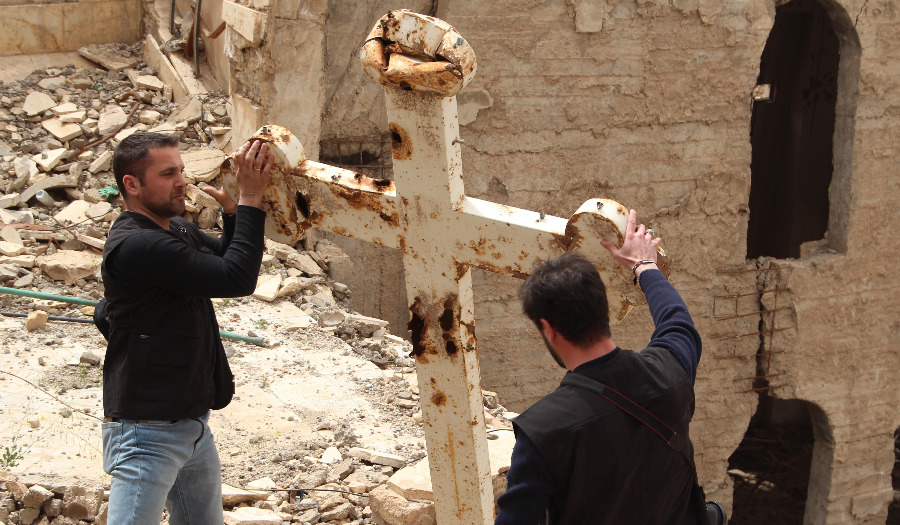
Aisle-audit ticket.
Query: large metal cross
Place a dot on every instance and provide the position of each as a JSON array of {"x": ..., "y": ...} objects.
[{"x": 442, "y": 234}]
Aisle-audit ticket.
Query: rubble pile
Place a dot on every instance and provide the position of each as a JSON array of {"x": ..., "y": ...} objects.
[{"x": 58, "y": 129}]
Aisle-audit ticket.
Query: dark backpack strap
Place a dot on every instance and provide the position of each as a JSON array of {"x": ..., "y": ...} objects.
[
  {"x": 672, "y": 438},
  {"x": 631, "y": 408}
]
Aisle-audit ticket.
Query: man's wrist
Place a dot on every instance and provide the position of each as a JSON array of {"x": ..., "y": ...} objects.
[{"x": 642, "y": 265}]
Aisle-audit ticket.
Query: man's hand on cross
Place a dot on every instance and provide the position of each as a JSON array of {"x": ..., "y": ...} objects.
[
  {"x": 253, "y": 165},
  {"x": 639, "y": 245}
]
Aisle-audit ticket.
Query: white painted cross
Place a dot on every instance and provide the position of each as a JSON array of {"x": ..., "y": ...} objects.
[{"x": 441, "y": 233}]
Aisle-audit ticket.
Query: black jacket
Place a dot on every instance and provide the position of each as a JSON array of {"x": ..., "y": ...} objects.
[
  {"x": 606, "y": 465},
  {"x": 165, "y": 359}
]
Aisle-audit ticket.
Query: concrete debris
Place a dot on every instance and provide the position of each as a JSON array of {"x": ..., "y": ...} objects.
[
  {"x": 251, "y": 516},
  {"x": 36, "y": 320},
  {"x": 69, "y": 265},
  {"x": 113, "y": 57}
]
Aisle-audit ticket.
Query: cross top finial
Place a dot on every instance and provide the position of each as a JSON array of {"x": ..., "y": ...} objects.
[{"x": 418, "y": 53}]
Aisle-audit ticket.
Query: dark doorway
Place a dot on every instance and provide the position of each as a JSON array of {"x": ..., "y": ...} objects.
[
  {"x": 894, "y": 509},
  {"x": 771, "y": 467},
  {"x": 792, "y": 134}
]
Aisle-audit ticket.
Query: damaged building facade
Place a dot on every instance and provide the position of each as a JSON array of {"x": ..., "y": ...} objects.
[{"x": 757, "y": 137}]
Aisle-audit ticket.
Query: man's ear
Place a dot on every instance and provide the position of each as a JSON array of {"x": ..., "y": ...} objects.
[
  {"x": 132, "y": 184},
  {"x": 547, "y": 329}
]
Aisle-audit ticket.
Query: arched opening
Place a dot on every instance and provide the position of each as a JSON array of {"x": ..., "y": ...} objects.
[
  {"x": 894, "y": 508},
  {"x": 781, "y": 470},
  {"x": 802, "y": 132}
]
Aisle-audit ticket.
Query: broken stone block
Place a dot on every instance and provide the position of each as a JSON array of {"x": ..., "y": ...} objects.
[
  {"x": 62, "y": 131},
  {"x": 339, "y": 512},
  {"x": 291, "y": 287},
  {"x": 10, "y": 234},
  {"x": 366, "y": 326},
  {"x": 393, "y": 509},
  {"x": 89, "y": 358},
  {"x": 76, "y": 117},
  {"x": 111, "y": 119},
  {"x": 108, "y": 58},
  {"x": 150, "y": 82},
  {"x": 262, "y": 484},
  {"x": 232, "y": 495},
  {"x": 207, "y": 218},
  {"x": 69, "y": 265},
  {"x": 121, "y": 135},
  {"x": 203, "y": 163},
  {"x": 304, "y": 263},
  {"x": 11, "y": 249},
  {"x": 268, "y": 290},
  {"x": 53, "y": 507},
  {"x": 98, "y": 211},
  {"x": 150, "y": 117},
  {"x": 9, "y": 200},
  {"x": 74, "y": 212},
  {"x": 37, "y": 103},
  {"x": 36, "y": 320},
  {"x": 251, "y": 516},
  {"x": 12, "y": 216},
  {"x": 200, "y": 197},
  {"x": 53, "y": 83},
  {"x": 48, "y": 160},
  {"x": 189, "y": 111},
  {"x": 377, "y": 458},
  {"x": 81, "y": 503},
  {"x": 248, "y": 23},
  {"x": 331, "y": 456},
  {"x": 36, "y": 496},
  {"x": 101, "y": 163},
  {"x": 62, "y": 109}
]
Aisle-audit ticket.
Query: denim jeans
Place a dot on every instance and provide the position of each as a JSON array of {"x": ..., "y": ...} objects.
[{"x": 156, "y": 464}]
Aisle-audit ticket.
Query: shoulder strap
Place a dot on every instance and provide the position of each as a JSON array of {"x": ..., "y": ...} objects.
[{"x": 672, "y": 438}]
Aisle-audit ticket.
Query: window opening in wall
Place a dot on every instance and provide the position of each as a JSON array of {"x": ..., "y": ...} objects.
[
  {"x": 771, "y": 466},
  {"x": 894, "y": 508},
  {"x": 792, "y": 132},
  {"x": 368, "y": 156}
]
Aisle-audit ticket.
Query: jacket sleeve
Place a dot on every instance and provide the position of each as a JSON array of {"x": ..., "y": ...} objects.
[
  {"x": 168, "y": 263},
  {"x": 528, "y": 487},
  {"x": 674, "y": 327}
]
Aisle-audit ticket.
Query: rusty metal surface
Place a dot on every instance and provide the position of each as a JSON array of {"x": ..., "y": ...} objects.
[
  {"x": 419, "y": 53},
  {"x": 283, "y": 223}
]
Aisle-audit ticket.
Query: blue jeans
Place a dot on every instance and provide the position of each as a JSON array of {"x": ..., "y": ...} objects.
[{"x": 156, "y": 464}]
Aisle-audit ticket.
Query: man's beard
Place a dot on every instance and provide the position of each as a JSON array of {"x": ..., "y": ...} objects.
[
  {"x": 168, "y": 209},
  {"x": 553, "y": 353}
]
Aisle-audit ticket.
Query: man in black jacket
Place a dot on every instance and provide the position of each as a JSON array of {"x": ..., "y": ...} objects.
[
  {"x": 578, "y": 457},
  {"x": 165, "y": 365}
]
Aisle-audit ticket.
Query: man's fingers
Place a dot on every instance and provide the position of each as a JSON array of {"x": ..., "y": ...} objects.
[
  {"x": 269, "y": 162},
  {"x": 611, "y": 246},
  {"x": 260, "y": 157},
  {"x": 632, "y": 220}
]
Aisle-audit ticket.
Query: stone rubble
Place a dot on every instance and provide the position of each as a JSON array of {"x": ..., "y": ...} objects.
[{"x": 56, "y": 137}]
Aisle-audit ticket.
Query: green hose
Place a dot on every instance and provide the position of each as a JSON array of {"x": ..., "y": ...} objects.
[{"x": 258, "y": 341}]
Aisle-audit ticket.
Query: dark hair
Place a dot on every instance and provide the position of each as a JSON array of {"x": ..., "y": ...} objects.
[
  {"x": 131, "y": 157},
  {"x": 569, "y": 293}
]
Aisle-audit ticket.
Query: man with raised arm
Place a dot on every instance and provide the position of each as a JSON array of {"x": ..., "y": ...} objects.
[
  {"x": 578, "y": 457},
  {"x": 165, "y": 365}
]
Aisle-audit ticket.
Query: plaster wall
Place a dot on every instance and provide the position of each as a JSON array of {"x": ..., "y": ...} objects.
[{"x": 27, "y": 27}]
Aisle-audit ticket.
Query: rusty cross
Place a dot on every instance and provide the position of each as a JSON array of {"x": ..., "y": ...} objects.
[{"x": 442, "y": 234}]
